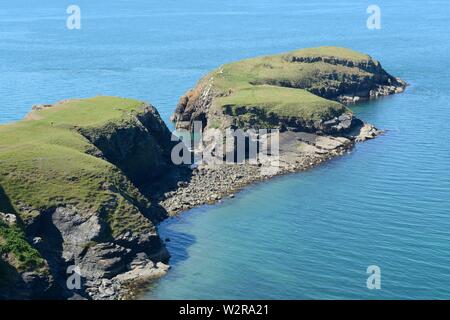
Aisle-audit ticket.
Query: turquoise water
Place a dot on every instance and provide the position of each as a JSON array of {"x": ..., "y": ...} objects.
[{"x": 309, "y": 235}]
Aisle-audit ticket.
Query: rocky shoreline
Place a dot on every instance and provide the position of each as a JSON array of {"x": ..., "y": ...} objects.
[
  {"x": 128, "y": 285},
  {"x": 299, "y": 151}
]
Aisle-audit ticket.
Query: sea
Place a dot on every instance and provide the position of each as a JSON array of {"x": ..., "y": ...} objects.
[{"x": 313, "y": 235}]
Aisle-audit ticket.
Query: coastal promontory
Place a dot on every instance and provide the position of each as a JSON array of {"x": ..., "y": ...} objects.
[
  {"x": 305, "y": 95},
  {"x": 304, "y": 90},
  {"x": 69, "y": 198},
  {"x": 85, "y": 182}
]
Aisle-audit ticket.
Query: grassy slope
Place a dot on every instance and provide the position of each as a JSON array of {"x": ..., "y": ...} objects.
[
  {"x": 43, "y": 164},
  {"x": 285, "y": 102},
  {"x": 272, "y": 82},
  {"x": 43, "y": 161},
  {"x": 20, "y": 253}
]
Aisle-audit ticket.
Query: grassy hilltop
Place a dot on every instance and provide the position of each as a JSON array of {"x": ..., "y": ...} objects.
[
  {"x": 275, "y": 84},
  {"x": 308, "y": 85},
  {"x": 44, "y": 159},
  {"x": 58, "y": 157}
]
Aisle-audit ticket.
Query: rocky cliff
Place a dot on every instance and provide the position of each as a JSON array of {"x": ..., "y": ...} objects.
[
  {"x": 71, "y": 203},
  {"x": 304, "y": 90},
  {"x": 305, "y": 94}
]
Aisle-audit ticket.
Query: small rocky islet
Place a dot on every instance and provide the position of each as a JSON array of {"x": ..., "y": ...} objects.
[{"x": 84, "y": 182}]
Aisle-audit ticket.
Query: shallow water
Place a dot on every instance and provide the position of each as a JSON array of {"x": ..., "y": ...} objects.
[{"x": 309, "y": 235}]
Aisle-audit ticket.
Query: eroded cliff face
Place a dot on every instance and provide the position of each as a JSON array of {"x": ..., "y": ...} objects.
[
  {"x": 36, "y": 281},
  {"x": 373, "y": 81},
  {"x": 197, "y": 105},
  {"x": 112, "y": 243},
  {"x": 337, "y": 75},
  {"x": 140, "y": 146}
]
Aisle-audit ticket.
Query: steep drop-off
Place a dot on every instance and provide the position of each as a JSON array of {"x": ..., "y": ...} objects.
[
  {"x": 303, "y": 90},
  {"x": 69, "y": 178}
]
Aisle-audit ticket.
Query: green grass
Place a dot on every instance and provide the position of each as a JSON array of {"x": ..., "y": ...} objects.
[
  {"x": 278, "y": 69},
  {"x": 214, "y": 124},
  {"x": 278, "y": 85},
  {"x": 21, "y": 255},
  {"x": 44, "y": 162},
  {"x": 89, "y": 112},
  {"x": 284, "y": 102}
]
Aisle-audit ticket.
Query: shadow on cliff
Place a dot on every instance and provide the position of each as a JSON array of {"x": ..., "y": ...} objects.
[
  {"x": 178, "y": 244},
  {"x": 50, "y": 246},
  {"x": 170, "y": 180},
  {"x": 10, "y": 282},
  {"x": 5, "y": 203},
  {"x": 15, "y": 285},
  {"x": 28, "y": 285},
  {"x": 178, "y": 247}
]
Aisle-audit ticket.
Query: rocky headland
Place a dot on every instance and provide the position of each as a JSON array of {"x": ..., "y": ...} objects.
[
  {"x": 84, "y": 183},
  {"x": 304, "y": 90},
  {"x": 69, "y": 197},
  {"x": 304, "y": 94}
]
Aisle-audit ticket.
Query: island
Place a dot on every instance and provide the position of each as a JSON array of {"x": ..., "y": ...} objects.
[
  {"x": 302, "y": 90},
  {"x": 304, "y": 94},
  {"x": 85, "y": 182}
]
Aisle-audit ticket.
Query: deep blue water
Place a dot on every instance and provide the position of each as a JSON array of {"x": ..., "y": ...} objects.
[{"x": 307, "y": 235}]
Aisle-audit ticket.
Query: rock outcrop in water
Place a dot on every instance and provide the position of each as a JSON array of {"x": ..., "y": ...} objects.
[{"x": 303, "y": 94}]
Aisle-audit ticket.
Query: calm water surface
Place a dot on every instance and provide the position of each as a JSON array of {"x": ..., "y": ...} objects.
[{"x": 309, "y": 235}]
